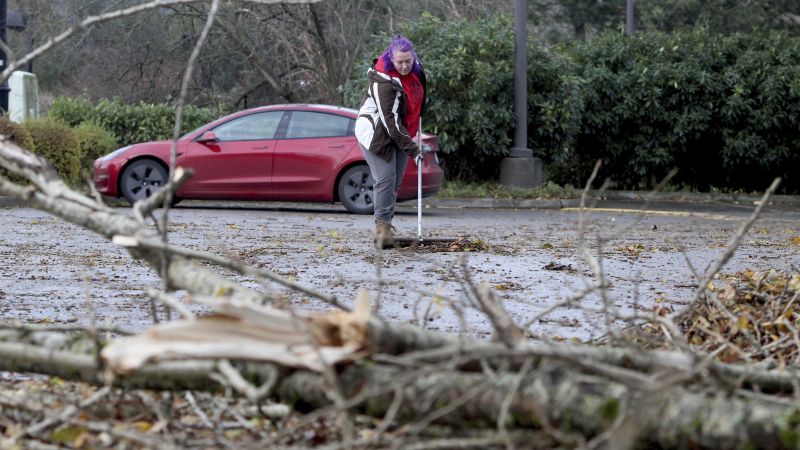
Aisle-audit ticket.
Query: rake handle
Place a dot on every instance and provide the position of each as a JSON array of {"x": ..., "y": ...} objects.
[{"x": 419, "y": 182}]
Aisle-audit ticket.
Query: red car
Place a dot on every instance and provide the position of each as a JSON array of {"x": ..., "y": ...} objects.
[{"x": 282, "y": 152}]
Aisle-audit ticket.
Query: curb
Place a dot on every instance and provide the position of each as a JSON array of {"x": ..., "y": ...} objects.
[
  {"x": 501, "y": 203},
  {"x": 696, "y": 197},
  {"x": 11, "y": 202},
  {"x": 504, "y": 203}
]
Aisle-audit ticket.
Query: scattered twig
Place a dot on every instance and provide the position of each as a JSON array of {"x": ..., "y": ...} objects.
[{"x": 63, "y": 416}]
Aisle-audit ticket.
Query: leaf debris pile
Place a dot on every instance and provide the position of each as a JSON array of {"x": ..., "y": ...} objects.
[
  {"x": 750, "y": 316},
  {"x": 458, "y": 245},
  {"x": 38, "y": 413}
]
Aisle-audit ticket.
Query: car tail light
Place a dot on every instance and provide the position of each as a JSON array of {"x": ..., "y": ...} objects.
[{"x": 430, "y": 144}]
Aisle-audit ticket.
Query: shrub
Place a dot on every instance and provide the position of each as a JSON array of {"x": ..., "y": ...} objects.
[
  {"x": 56, "y": 142},
  {"x": 723, "y": 110},
  {"x": 94, "y": 141},
  {"x": 71, "y": 111},
  {"x": 17, "y": 134},
  {"x": 469, "y": 65},
  {"x": 648, "y": 104},
  {"x": 469, "y": 105},
  {"x": 130, "y": 123},
  {"x": 759, "y": 112}
]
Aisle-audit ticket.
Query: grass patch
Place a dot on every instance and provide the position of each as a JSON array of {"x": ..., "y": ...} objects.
[{"x": 548, "y": 190}]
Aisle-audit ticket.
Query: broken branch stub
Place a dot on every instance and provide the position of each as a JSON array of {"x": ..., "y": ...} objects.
[{"x": 249, "y": 332}]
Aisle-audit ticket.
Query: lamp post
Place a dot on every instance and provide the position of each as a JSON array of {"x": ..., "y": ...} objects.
[
  {"x": 4, "y": 86},
  {"x": 520, "y": 168},
  {"x": 14, "y": 20},
  {"x": 629, "y": 18}
]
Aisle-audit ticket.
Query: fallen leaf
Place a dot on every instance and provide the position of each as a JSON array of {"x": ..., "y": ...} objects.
[
  {"x": 233, "y": 434},
  {"x": 71, "y": 435},
  {"x": 142, "y": 425}
]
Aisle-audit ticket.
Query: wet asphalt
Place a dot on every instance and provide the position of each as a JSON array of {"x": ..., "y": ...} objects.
[{"x": 54, "y": 272}]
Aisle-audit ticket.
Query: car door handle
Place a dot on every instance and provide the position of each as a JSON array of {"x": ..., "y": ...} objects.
[
  {"x": 336, "y": 146},
  {"x": 263, "y": 147}
]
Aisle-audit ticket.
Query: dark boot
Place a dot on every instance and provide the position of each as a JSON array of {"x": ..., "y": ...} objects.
[{"x": 383, "y": 235}]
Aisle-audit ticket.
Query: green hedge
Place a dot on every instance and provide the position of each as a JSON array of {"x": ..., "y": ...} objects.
[
  {"x": 470, "y": 89},
  {"x": 722, "y": 109},
  {"x": 464, "y": 94},
  {"x": 17, "y": 134},
  {"x": 130, "y": 123},
  {"x": 94, "y": 141},
  {"x": 56, "y": 142}
]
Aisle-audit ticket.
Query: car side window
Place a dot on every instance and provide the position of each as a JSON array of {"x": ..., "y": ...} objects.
[
  {"x": 250, "y": 128},
  {"x": 308, "y": 124}
]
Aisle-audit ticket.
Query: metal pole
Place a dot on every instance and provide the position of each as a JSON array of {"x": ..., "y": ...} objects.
[
  {"x": 629, "y": 19},
  {"x": 4, "y": 86},
  {"x": 520, "y": 168},
  {"x": 520, "y": 149},
  {"x": 419, "y": 183},
  {"x": 31, "y": 46}
]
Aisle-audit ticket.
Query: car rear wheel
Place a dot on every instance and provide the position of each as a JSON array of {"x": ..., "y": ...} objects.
[
  {"x": 356, "y": 190},
  {"x": 141, "y": 179}
]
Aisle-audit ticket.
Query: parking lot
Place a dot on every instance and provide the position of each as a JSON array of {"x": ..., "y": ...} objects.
[{"x": 54, "y": 272}]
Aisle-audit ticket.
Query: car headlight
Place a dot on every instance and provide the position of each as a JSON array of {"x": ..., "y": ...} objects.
[{"x": 115, "y": 153}]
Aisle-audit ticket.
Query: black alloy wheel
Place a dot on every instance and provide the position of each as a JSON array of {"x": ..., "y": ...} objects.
[
  {"x": 355, "y": 190},
  {"x": 141, "y": 179}
]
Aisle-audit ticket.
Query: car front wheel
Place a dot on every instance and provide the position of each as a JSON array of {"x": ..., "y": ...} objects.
[
  {"x": 356, "y": 190},
  {"x": 141, "y": 179}
]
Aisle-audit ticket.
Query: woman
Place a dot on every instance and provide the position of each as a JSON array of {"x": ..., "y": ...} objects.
[{"x": 387, "y": 125}]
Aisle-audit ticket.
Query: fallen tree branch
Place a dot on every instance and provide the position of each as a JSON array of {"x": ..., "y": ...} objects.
[{"x": 587, "y": 404}]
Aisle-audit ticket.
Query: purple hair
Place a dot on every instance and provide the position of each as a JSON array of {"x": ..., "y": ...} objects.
[{"x": 400, "y": 44}]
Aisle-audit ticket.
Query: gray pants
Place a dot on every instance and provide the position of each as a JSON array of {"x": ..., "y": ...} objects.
[{"x": 387, "y": 176}]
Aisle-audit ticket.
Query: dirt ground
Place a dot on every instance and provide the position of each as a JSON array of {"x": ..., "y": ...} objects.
[{"x": 53, "y": 272}]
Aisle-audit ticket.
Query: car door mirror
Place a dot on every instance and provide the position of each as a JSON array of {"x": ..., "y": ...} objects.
[{"x": 208, "y": 136}]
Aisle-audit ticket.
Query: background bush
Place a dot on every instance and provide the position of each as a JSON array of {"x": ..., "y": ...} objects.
[
  {"x": 469, "y": 69},
  {"x": 94, "y": 141},
  {"x": 129, "y": 123},
  {"x": 722, "y": 109},
  {"x": 460, "y": 96},
  {"x": 469, "y": 66},
  {"x": 72, "y": 111},
  {"x": 56, "y": 142},
  {"x": 649, "y": 105},
  {"x": 17, "y": 134}
]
